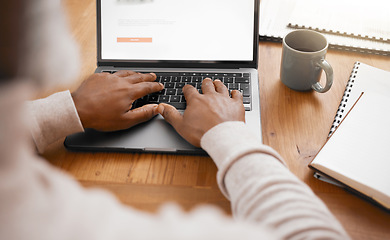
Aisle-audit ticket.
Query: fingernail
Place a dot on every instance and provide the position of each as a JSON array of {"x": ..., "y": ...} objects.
[
  {"x": 162, "y": 85},
  {"x": 155, "y": 108},
  {"x": 217, "y": 80},
  {"x": 207, "y": 78},
  {"x": 160, "y": 109},
  {"x": 154, "y": 75}
]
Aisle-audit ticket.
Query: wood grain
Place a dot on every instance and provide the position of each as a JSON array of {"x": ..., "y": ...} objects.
[{"x": 296, "y": 124}]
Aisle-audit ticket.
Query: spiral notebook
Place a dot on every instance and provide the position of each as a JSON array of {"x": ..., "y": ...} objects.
[
  {"x": 351, "y": 25},
  {"x": 355, "y": 155},
  {"x": 372, "y": 23},
  {"x": 363, "y": 78}
]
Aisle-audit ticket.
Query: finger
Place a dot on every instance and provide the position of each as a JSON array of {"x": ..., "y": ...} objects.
[
  {"x": 189, "y": 92},
  {"x": 208, "y": 86},
  {"x": 144, "y": 88},
  {"x": 171, "y": 115},
  {"x": 124, "y": 73},
  {"x": 220, "y": 87},
  {"x": 141, "y": 114},
  {"x": 142, "y": 77},
  {"x": 236, "y": 95}
]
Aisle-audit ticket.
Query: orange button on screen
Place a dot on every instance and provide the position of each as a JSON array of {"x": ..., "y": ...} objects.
[{"x": 134, "y": 40}]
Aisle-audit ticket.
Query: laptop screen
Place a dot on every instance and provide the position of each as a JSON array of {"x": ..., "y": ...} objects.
[{"x": 203, "y": 31}]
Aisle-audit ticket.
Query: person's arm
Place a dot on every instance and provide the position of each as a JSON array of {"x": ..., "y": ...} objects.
[
  {"x": 52, "y": 118},
  {"x": 39, "y": 202},
  {"x": 103, "y": 102},
  {"x": 261, "y": 189},
  {"x": 253, "y": 176}
]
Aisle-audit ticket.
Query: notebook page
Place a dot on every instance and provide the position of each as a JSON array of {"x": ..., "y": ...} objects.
[
  {"x": 276, "y": 21},
  {"x": 360, "y": 18},
  {"x": 365, "y": 78},
  {"x": 354, "y": 25},
  {"x": 274, "y": 17},
  {"x": 357, "y": 153}
]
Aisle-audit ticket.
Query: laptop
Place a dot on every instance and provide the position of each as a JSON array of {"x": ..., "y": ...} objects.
[{"x": 183, "y": 42}]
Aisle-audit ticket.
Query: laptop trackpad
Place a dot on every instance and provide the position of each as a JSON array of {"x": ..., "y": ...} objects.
[{"x": 155, "y": 135}]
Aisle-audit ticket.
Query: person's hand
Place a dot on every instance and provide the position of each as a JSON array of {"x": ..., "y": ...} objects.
[
  {"x": 204, "y": 111},
  {"x": 104, "y": 100}
]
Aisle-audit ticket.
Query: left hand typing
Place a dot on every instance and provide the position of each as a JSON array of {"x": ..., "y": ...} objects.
[{"x": 104, "y": 100}]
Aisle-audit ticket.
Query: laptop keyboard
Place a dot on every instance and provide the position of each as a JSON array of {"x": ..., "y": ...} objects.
[{"x": 175, "y": 81}]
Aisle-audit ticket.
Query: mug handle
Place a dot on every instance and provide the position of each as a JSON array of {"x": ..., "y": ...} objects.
[{"x": 329, "y": 77}]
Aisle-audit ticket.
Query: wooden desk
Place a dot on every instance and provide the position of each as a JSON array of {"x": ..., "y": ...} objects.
[{"x": 295, "y": 124}]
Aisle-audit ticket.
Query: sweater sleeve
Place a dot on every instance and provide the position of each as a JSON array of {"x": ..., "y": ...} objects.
[
  {"x": 53, "y": 118},
  {"x": 39, "y": 202},
  {"x": 261, "y": 189}
]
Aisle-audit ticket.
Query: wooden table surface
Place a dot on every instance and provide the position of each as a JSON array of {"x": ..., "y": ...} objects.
[{"x": 296, "y": 124}]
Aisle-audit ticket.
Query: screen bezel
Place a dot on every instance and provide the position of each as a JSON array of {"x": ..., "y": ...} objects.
[{"x": 179, "y": 63}]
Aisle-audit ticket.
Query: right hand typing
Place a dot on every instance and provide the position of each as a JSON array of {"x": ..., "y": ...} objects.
[{"x": 204, "y": 111}]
